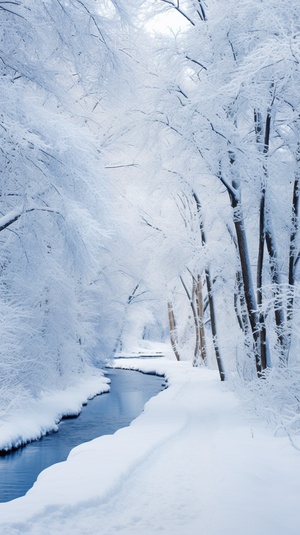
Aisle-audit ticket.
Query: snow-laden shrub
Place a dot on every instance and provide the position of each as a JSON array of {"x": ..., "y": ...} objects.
[{"x": 274, "y": 399}]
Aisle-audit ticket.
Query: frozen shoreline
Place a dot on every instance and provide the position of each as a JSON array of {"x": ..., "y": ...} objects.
[{"x": 42, "y": 416}]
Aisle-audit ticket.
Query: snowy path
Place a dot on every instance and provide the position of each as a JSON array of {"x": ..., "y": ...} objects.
[{"x": 190, "y": 464}]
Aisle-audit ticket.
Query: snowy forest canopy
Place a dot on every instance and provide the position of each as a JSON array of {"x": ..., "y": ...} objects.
[{"x": 149, "y": 187}]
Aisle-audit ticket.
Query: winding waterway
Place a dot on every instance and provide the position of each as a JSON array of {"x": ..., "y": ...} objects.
[{"x": 103, "y": 415}]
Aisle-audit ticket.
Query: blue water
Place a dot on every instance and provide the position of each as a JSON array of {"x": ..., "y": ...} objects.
[{"x": 103, "y": 415}]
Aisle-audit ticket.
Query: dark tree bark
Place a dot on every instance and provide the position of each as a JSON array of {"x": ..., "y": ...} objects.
[
  {"x": 262, "y": 231},
  {"x": 278, "y": 303},
  {"x": 234, "y": 193},
  {"x": 247, "y": 280},
  {"x": 266, "y": 235}
]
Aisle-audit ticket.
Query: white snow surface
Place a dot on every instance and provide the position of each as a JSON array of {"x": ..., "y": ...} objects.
[{"x": 190, "y": 464}]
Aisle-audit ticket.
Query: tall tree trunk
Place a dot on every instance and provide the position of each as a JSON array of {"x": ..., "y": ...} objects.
[
  {"x": 173, "y": 330},
  {"x": 282, "y": 340},
  {"x": 214, "y": 325},
  {"x": 259, "y": 280},
  {"x": 247, "y": 280},
  {"x": 200, "y": 310},
  {"x": 210, "y": 298},
  {"x": 240, "y": 304},
  {"x": 266, "y": 235},
  {"x": 262, "y": 230},
  {"x": 293, "y": 253},
  {"x": 196, "y": 303},
  {"x": 196, "y": 322},
  {"x": 234, "y": 193},
  {"x": 241, "y": 311}
]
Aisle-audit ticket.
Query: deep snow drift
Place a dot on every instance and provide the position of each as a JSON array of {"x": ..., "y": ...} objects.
[{"x": 191, "y": 463}]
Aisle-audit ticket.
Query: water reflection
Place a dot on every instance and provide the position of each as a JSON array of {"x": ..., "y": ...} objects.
[{"x": 103, "y": 415}]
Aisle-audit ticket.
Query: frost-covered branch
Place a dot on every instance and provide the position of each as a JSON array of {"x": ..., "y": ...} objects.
[
  {"x": 9, "y": 10},
  {"x": 12, "y": 216},
  {"x": 196, "y": 62},
  {"x": 177, "y": 7}
]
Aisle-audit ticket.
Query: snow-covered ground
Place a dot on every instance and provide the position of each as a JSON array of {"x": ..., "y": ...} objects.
[{"x": 190, "y": 464}]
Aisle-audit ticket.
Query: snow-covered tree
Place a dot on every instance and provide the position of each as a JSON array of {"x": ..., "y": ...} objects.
[
  {"x": 62, "y": 66},
  {"x": 226, "y": 121}
]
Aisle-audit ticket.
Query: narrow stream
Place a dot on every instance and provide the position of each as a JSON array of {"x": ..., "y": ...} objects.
[{"x": 103, "y": 415}]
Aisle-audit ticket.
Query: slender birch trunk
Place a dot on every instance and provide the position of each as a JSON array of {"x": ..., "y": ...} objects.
[
  {"x": 196, "y": 322},
  {"x": 173, "y": 330},
  {"x": 200, "y": 310},
  {"x": 211, "y": 299}
]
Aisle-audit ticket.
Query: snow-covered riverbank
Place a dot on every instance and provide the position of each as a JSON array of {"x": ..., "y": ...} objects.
[
  {"x": 190, "y": 463},
  {"x": 41, "y": 416}
]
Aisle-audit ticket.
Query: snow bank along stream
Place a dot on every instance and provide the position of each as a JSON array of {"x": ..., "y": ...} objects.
[{"x": 103, "y": 415}]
